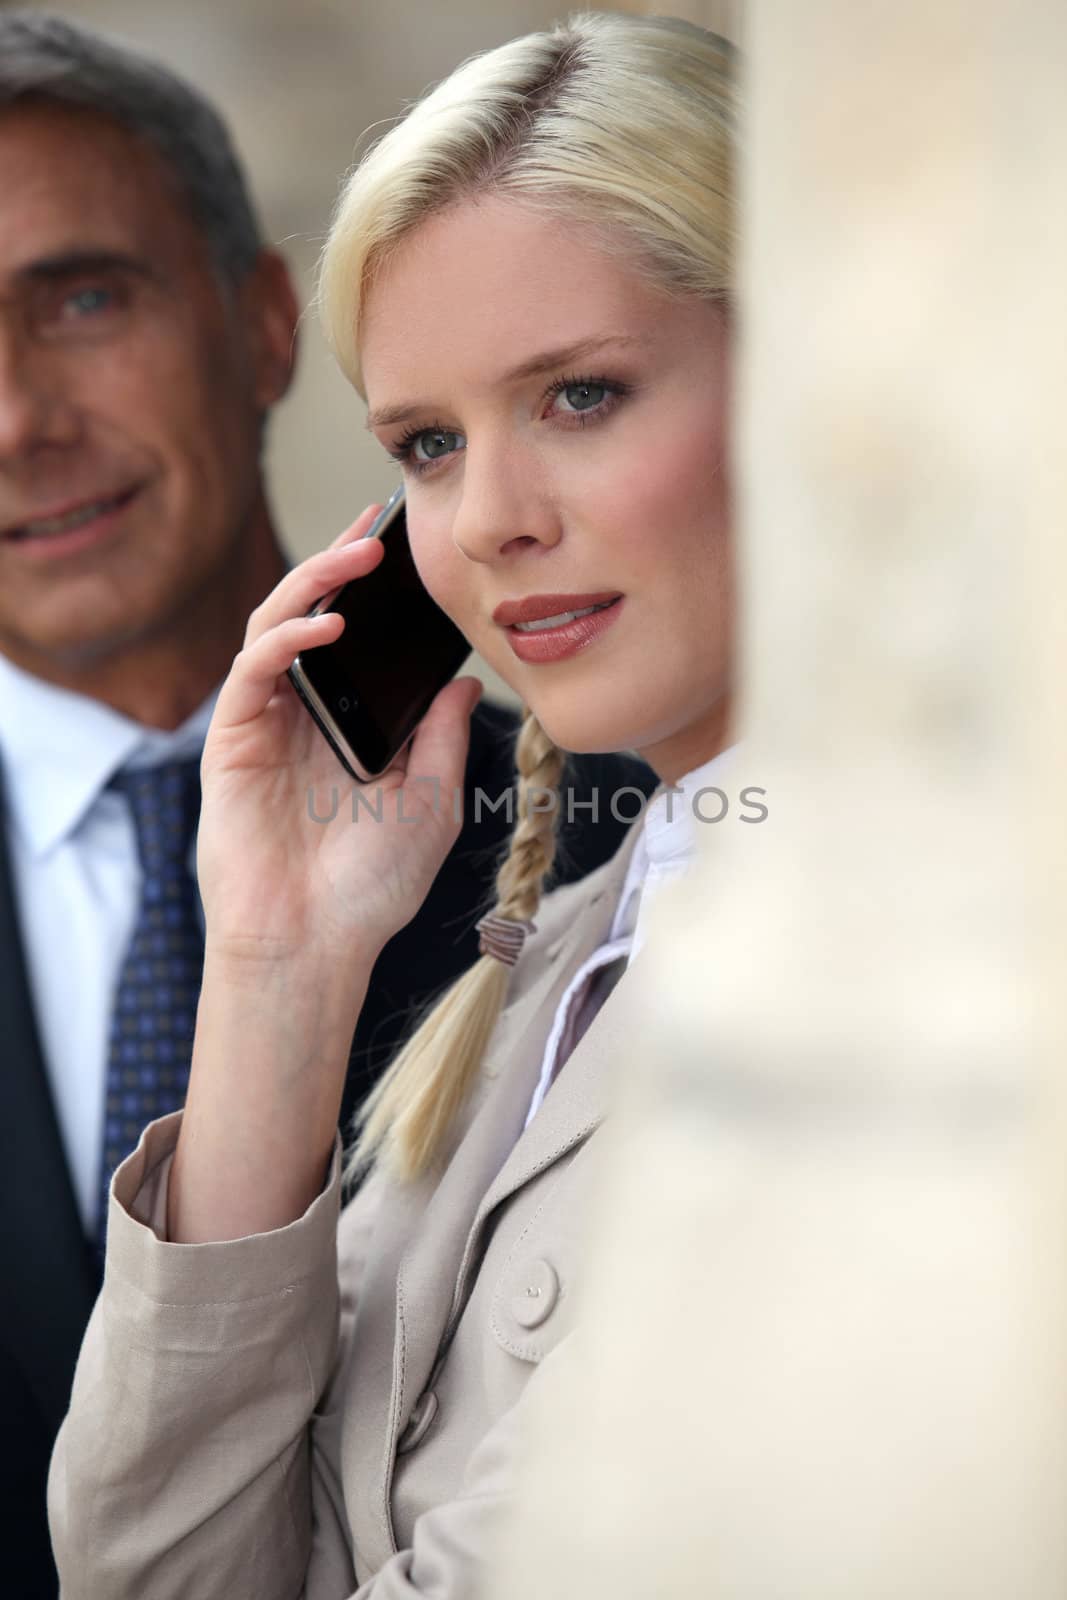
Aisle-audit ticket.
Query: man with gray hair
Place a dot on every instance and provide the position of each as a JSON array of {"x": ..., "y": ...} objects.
[{"x": 145, "y": 334}]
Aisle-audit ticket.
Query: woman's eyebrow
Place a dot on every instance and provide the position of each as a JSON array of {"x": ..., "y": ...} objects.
[
  {"x": 565, "y": 355},
  {"x": 545, "y": 361}
]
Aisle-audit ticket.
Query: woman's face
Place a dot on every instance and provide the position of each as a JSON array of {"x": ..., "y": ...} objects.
[{"x": 563, "y": 432}]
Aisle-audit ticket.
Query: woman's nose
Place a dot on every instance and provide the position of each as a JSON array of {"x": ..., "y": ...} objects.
[{"x": 506, "y": 506}]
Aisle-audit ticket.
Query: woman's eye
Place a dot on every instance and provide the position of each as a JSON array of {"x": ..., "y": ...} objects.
[
  {"x": 585, "y": 399},
  {"x": 583, "y": 396},
  {"x": 433, "y": 443}
]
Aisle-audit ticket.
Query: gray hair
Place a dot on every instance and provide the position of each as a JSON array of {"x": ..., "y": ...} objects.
[{"x": 43, "y": 57}]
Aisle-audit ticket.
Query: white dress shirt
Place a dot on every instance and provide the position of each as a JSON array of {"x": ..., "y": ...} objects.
[
  {"x": 77, "y": 882},
  {"x": 664, "y": 850}
]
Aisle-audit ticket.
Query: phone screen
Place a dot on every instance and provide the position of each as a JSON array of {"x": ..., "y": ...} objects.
[{"x": 375, "y": 683}]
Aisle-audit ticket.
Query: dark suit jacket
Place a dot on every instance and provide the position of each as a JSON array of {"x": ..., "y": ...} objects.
[{"x": 49, "y": 1270}]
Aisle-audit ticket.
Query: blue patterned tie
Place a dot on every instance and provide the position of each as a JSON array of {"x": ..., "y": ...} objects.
[{"x": 159, "y": 980}]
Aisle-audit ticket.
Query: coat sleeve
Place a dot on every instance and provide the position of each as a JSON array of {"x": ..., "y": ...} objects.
[{"x": 185, "y": 1463}]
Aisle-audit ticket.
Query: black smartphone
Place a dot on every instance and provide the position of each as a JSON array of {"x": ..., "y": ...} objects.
[{"x": 369, "y": 690}]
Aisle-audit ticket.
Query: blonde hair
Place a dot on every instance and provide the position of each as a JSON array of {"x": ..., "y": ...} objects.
[{"x": 627, "y": 124}]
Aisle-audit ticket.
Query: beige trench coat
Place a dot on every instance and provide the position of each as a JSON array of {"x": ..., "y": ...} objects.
[{"x": 335, "y": 1407}]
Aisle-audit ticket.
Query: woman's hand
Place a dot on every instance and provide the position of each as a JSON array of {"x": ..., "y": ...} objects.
[
  {"x": 297, "y": 912},
  {"x": 276, "y": 882}
]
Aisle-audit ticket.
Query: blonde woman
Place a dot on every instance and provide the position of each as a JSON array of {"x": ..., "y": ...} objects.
[{"x": 528, "y": 280}]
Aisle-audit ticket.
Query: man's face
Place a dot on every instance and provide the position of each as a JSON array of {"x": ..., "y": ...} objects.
[{"x": 132, "y": 389}]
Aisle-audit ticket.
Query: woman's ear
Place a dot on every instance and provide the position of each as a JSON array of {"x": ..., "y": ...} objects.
[{"x": 271, "y": 311}]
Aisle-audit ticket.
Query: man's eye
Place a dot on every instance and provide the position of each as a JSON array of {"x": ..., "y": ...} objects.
[{"x": 84, "y": 302}]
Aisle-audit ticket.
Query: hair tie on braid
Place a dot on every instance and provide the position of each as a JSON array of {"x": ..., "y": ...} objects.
[{"x": 502, "y": 937}]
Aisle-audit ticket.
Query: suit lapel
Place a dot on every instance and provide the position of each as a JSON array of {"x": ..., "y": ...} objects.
[
  {"x": 574, "y": 1106},
  {"x": 435, "y": 1272},
  {"x": 46, "y": 1264},
  {"x": 427, "y": 1247}
]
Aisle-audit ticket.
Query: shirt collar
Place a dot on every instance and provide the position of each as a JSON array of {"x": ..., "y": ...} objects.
[
  {"x": 668, "y": 834},
  {"x": 58, "y": 749}
]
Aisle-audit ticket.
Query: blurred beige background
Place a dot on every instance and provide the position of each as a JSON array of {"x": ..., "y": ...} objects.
[{"x": 299, "y": 82}]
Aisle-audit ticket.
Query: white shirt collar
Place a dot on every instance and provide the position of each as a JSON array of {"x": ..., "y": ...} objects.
[
  {"x": 58, "y": 749},
  {"x": 668, "y": 838}
]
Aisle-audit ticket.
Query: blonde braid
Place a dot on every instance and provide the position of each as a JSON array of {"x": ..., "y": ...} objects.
[
  {"x": 405, "y": 1120},
  {"x": 533, "y": 844}
]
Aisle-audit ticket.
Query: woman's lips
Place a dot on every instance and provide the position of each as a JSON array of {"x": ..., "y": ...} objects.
[
  {"x": 554, "y": 642},
  {"x": 536, "y": 607}
]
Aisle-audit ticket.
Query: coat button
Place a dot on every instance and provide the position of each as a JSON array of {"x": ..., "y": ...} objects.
[
  {"x": 418, "y": 1423},
  {"x": 533, "y": 1302}
]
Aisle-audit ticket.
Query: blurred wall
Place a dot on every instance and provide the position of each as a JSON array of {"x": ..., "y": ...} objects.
[{"x": 299, "y": 82}]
